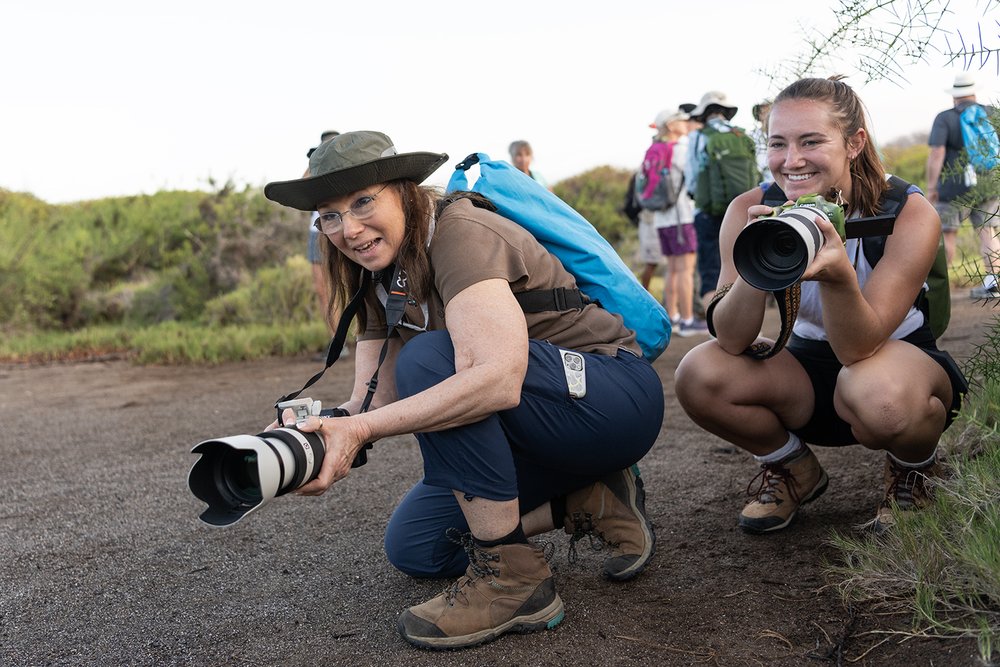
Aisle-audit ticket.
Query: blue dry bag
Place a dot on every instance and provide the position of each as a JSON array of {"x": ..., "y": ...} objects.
[{"x": 599, "y": 271}]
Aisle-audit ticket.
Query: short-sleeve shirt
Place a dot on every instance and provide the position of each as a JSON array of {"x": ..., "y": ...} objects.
[
  {"x": 947, "y": 131},
  {"x": 470, "y": 245}
]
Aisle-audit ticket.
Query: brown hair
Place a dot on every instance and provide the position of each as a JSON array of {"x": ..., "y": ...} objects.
[
  {"x": 867, "y": 173},
  {"x": 343, "y": 276}
]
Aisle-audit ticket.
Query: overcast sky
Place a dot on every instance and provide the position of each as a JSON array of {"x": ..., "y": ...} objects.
[{"x": 104, "y": 98}]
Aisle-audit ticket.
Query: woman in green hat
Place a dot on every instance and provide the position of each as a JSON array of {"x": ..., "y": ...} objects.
[{"x": 528, "y": 418}]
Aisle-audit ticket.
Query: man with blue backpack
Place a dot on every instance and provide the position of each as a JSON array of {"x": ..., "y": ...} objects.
[{"x": 964, "y": 152}]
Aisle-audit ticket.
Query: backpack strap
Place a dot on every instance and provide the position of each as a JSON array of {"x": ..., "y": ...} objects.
[{"x": 560, "y": 298}]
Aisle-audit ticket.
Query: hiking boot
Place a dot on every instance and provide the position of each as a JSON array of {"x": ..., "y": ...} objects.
[
  {"x": 906, "y": 489},
  {"x": 784, "y": 486},
  {"x": 612, "y": 512},
  {"x": 507, "y": 588}
]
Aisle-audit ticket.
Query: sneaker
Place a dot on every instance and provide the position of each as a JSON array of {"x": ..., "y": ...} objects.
[
  {"x": 979, "y": 293},
  {"x": 693, "y": 327},
  {"x": 507, "y": 588},
  {"x": 612, "y": 512},
  {"x": 905, "y": 489},
  {"x": 784, "y": 487}
]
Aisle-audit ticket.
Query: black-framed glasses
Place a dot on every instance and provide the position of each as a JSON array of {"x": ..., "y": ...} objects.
[{"x": 363, "y": 207}]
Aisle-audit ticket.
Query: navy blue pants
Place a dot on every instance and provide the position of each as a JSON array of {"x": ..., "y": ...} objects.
[
  {"x": 549, "y": 445},
  {"x": 707, "y": 228}
]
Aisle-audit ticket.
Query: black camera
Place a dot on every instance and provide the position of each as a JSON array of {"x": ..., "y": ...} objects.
[
  {"x": 241, "y": 473},
  {"x": 773, "y": 251}
]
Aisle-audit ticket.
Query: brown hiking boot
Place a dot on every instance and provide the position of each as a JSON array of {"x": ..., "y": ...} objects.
[
  {"x": 784, "y": 487},
  {"x": 612, "y": 512},
  {"x": 906, "y": 489},
  {"x": 507, "y": 588}
]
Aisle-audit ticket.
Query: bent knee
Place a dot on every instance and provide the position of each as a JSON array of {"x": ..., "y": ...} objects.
[
  {"x": 878, "y": 412},
  {"x": 420, "y": 565},
  {"x": 701, "y": 374}
]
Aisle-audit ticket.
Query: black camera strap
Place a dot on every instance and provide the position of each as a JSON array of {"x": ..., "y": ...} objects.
[
  {"x": 394, "y": 279},
  {"x": 336, "y": 345}
]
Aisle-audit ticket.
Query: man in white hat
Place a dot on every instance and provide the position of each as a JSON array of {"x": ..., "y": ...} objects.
[
  {"x": 715, "y": 112},
  {"x": 950, "y": 178}
]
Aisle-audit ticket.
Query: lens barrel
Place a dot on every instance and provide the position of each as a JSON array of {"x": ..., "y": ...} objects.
[
  {"x": 239, "y": 474},
  {"x": 772, "y": 253}
]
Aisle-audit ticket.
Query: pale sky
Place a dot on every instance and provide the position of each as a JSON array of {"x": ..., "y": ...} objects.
[{"x": 107, "y": 97}]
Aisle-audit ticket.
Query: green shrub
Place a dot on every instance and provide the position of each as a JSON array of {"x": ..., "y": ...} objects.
[
  {"x": 597, "y": 195},
  {"x": 941, "y": 564}
]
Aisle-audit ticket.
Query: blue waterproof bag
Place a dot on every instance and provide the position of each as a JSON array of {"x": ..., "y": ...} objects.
[{"x": 599, "y": 271}]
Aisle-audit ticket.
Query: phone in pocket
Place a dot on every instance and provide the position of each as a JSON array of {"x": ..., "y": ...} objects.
[{"x": 576, "y": 373}]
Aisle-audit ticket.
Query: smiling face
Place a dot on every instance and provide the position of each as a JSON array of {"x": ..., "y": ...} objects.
[
  {"x": 807, "y": 152},
  {"x": 374, "y": 241}
]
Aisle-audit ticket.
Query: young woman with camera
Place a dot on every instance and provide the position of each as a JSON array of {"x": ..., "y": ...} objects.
[
  {"x": 862, "y": 365},
  {"x": 512, "y": 445}
]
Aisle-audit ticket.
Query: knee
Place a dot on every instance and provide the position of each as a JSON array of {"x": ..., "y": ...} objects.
[
  {"x": 415, "y": 562},
  {"x": 879, "y": 412},
  {"x": 699, "y": 377},
  {"x": 423, "y": 362}
]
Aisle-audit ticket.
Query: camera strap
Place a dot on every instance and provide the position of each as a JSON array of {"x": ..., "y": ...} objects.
[
  {"x": 788, "y": 309},
  {"x": 395, "y": 307},
  {"x": 337, "y": 342}
]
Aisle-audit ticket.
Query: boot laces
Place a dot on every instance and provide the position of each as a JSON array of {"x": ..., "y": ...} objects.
[
  {"x": 481, "y": 566},
  {"x": 584, "y": 527},
  {"x": 771, "y": 476},
  {"x": 906, "y": 485}
]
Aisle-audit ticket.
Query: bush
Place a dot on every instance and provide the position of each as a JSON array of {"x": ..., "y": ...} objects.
[{"x": 598, "y": 195}]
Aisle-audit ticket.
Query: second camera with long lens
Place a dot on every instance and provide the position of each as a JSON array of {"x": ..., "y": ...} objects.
[
  {"x": 239, "y": 474},
  {"x": 773, "y": 251}
]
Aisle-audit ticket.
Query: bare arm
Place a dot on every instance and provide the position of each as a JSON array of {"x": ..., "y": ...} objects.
[
  {"x": 490, "y": 336},
  {"x": 935, "y": 162},
  {"x": 737, "y": 318},
  {"x": 858, "y": 323}
]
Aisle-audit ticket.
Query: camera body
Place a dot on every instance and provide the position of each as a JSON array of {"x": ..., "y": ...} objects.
[
  {"x": 239, "y": 474},
  {"x": 773, "y": 251}
]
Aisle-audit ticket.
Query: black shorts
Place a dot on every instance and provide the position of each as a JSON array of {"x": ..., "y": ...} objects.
[{"x": 825, "y": 427}]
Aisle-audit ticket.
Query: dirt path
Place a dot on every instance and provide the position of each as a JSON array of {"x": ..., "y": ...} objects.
[{"x": 102, "y": 559}]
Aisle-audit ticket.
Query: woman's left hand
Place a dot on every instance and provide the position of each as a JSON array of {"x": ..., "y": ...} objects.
[
  {"x": 831, "y": 264},
  {"x": 342, "y": 441}
]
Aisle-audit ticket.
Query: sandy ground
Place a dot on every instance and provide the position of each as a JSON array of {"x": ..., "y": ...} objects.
[{"x": 103, "y": 560}]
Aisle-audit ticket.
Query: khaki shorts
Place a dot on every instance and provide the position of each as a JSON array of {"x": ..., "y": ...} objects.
[
  {"x": 980, "y": 214},
  {"x": 649, "y": 240}
]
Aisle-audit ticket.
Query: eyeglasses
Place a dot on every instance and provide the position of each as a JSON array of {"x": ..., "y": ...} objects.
[{"x": 363, "y": 207}]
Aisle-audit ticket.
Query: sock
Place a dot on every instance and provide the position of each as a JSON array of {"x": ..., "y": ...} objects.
[
  {"x": 688, "y": 322},
  {"x": 791, "y": 447},
  {"x": 558, "y": 507},
  {"x": 516, "y": 536},
  {"x": 907, "y": 464},
  {"x": 990, "y": 281}
]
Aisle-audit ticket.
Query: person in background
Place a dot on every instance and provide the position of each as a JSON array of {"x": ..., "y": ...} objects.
[
  {"x": 862, "y": 365},
  {"x": 527, "y": 421},
  {"x": 521, "y": 157},
  {"x": 759, "y": 136},
  {"x": 714, "y": 113},
  {"x": 675, "y": 230},
  {"x": 316, "y": 261},
  {"x": 949, "y": 180}
]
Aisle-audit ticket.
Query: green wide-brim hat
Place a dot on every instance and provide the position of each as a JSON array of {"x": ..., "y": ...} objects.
[{"x": 350, "y": 162}]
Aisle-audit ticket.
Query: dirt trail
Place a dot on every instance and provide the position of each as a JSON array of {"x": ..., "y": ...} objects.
[{"x": 102, "y": 559}]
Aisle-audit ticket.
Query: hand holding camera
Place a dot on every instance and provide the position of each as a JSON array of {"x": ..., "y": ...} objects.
[
  {"x": 774, "y": 251},
  {"x": 239, "y": 474}
]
